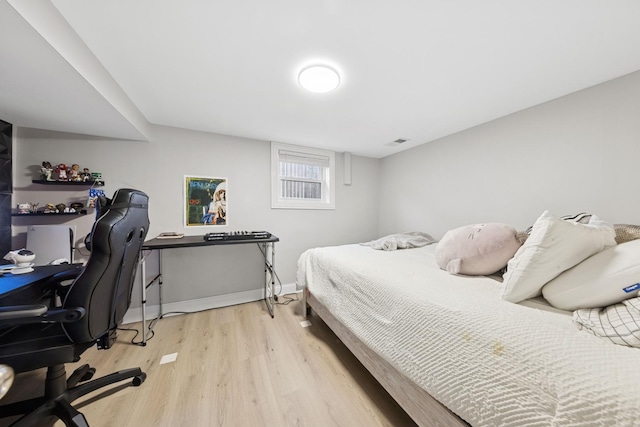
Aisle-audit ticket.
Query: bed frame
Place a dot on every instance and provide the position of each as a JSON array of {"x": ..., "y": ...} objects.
[{"x": 420, "y": 405}]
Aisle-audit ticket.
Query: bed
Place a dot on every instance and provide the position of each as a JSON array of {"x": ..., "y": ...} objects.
[{"x": 452, "y": 352}]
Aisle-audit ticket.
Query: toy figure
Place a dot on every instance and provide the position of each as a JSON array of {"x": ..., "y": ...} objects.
[
  {"x": 24, "y": 208},
  {"x": 50, "y": 208},
  {"x": 74, "y": 173},
  {"x": 45, "y": 171},
  {"x": 61, "y": 170},
  {"x": 61, "y": 207},
  {"x": 85, "y": 174},
  {"x": 76, "y": 207}
]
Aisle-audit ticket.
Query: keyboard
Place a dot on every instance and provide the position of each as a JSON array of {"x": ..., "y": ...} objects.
[{"x": 237, "y": 235}]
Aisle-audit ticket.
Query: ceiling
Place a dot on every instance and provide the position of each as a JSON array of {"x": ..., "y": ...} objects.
[{"x": 411, "y": 69}]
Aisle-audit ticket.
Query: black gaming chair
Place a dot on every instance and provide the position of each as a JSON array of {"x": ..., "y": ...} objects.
[{"x": 37, "y": 336}]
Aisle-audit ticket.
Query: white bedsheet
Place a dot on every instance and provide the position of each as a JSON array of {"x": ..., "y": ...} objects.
[{"x": 492, "y": 362}]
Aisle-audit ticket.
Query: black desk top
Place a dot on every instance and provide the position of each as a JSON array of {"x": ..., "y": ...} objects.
[
  {"x": 11, "y": 284},
  {"x": 191, "y": 241}
]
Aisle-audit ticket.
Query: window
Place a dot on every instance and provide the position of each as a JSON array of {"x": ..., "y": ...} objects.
[{"x": 301, "y": 177}]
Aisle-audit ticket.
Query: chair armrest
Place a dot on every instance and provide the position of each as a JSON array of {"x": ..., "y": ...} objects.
[
  {"x": 63, "y": 315},
  {"x": 54, "y": 287},
  {"x": 64, "y": 275},
  {"x": 24, "y": 314},
  {"x": 18, "y": 311}
]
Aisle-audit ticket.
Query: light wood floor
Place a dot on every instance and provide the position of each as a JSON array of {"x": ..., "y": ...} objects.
[{"x": 235, "y": 367}]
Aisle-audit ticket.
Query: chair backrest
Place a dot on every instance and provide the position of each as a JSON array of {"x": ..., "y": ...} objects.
[{"x": 104, "y": 286}]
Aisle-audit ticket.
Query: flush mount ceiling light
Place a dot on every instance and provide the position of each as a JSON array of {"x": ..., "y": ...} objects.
[{"x": 319, "y": 79}]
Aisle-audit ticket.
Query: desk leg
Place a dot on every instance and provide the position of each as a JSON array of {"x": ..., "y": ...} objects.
[
  {"x": 143, "y": 289},
  {"x": 143, "y": 296},
  {"x": 269, "y": 285},
  {"x": 160, "y": 283},
  {"x": 273, "y": 277}
]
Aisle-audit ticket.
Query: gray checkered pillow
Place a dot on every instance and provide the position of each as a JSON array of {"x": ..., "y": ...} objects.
[{"x": 620, "y": 323}]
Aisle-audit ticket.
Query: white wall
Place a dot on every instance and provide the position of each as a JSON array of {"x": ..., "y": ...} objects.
[
  {"x": 577, "y": 153},
  {"x": 158, "y": 167}
]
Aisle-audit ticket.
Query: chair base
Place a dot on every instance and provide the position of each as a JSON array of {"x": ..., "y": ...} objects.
[{"x": 60, "y": 392}]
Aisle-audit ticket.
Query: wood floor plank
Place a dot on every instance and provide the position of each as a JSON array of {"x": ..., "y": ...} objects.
[{"x": 236, "y": 366}]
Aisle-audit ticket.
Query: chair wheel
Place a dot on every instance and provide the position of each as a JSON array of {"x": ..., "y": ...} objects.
[
  {"x": 88, "y": 375},
  {"x": 139, "y": 379}
]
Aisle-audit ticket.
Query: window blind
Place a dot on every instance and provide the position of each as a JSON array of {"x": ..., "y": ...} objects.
[{"x": 303, "y": 158}]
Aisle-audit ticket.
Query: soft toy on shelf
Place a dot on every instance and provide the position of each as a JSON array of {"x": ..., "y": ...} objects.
[{"x": 61, "y": 170}]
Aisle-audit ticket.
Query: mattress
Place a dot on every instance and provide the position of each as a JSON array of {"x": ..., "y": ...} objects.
[{"x": 492, "y": 362}]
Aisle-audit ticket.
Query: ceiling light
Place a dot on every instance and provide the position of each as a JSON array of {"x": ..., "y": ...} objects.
[{"x": 319, "y": 79}]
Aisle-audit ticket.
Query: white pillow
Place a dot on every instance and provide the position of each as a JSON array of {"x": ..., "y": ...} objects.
[
  {"x": 606, "y": 278},
  {"x": 553, "y": 247}
]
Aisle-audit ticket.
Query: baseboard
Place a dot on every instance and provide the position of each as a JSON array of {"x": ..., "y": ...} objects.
[
  {"x": 289, "y": 288},
  {"x": 134, "y": 314}
]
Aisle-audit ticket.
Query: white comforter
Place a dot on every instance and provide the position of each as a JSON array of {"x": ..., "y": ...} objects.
[{"x": 492, "y": 362}]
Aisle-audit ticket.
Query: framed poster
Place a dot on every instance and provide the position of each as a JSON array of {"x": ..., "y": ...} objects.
[{"x": 205, "y": 201}]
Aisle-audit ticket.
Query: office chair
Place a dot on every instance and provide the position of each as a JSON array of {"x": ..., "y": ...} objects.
[{"x": 37, "y": 336}]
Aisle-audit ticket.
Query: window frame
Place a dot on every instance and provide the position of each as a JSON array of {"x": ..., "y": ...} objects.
[{"x": 328, "y": 188}]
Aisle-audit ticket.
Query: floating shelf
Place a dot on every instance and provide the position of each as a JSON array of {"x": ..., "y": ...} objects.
[
  {"x": 83, "y": 183},
  {"x": 49, "y": 214}
]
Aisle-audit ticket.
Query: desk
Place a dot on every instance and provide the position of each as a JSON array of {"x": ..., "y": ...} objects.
[
  {"x": 23, "y": 287},
  {"x": 266, "y": 246}
]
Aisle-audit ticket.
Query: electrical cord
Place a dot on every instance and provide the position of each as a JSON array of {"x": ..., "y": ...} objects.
[
  {"x": 77, "y": 248},
  {"x": 278, "y": 294},
  {"x": 288, "y": 300},
  {"x": 133, "y": 340},
  {"x": 273, "y": 271},
  {"x": 152, "y": 325}
]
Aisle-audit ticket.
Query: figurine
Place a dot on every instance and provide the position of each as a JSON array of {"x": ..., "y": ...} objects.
[
  {"x": 85, "y": 174},
  {"x": 61, "y": 207},
  {"x": 74, "y": 173},
  {"x": 61, "y": 170},
  {"x": 75, "y": 207},
  {"x": 50, "y": 208},
  {"x": 46, "y": 171},
  {"x": 24, "y": 208}
]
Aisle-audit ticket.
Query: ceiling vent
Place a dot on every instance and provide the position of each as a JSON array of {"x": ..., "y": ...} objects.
[{"x": 397, "y": 142}]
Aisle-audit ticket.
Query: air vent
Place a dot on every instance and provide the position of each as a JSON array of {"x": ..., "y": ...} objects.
[{"x": 397, "y": 142}]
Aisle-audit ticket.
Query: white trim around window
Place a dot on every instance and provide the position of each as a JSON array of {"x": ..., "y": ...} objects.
[{"x": 302, "y": 177}]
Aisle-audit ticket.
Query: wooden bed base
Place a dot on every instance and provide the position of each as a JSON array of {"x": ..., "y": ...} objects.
[{"x": 420, "y": 405}]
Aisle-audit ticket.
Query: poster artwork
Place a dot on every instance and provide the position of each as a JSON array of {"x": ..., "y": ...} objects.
[{"x": 205, "y": 201}]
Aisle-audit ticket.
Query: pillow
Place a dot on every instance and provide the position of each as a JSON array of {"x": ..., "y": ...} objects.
[
  {"x": 620, "y": 323},
  {"x": 626, "y": 232},
  {"x": 478, "y": 249},
  {"x": 582, "y": 218},
  {"x": 553, "y": 247},
  {"x": 606, "y": 278}
]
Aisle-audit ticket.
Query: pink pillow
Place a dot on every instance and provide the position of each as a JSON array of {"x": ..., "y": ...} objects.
[{"x": 478, "y": 249}]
